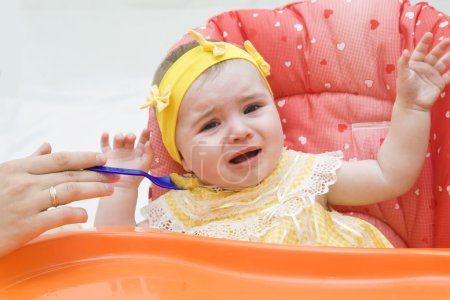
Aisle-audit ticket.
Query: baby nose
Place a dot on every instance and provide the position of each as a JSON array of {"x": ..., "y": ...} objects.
[{"x": 240, "y": 133}]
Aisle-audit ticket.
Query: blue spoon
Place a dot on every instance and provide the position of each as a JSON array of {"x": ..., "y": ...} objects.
[{"x": 164, "y": 182}]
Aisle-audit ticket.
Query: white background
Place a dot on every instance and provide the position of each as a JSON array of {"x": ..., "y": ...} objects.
[{"x": 71, "y": 69}]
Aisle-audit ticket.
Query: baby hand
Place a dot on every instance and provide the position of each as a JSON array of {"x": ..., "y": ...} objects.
[
  {"x": 420, "y": 78},
  {"x": 124, "y": 154}
]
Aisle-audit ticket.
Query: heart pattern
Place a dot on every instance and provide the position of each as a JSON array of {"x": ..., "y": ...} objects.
[
  {"x": 281, "y": 103},
  {"x": 341, "y": 46},
  {"x": 298, "y": 27},
  {"x": 409, "y": 15},
  {"x": 374, "y": 24},
  {"x": 368, "y": 83},
  {"x": 303, "y": 140},
  {"x": 342, "y": 128},
  {"x": 327, "y": 13},
  {"x": 390, "y": 68},
  {"x": 443, "y": 24}
]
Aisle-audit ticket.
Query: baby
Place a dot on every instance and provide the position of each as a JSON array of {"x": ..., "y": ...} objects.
[{"x": 217, "y": 118}]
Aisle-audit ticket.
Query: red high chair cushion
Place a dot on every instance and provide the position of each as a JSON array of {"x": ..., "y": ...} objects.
[{"x": 333, "y": 74}]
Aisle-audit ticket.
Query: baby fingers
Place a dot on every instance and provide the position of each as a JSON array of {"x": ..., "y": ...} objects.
[
  {"x": 145, "y": 136},
  {"x": 422, "y": 47},
  {"x": 119, "y": 140},
  {"x": 104, "y": 143},
  {"x": 129, "y": 140},
  {"x": 443, "y": 62},
  {"x": 437, "y": 52}
]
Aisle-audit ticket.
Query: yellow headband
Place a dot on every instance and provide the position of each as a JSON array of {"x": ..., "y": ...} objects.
[{"x": 179, "y": 77}]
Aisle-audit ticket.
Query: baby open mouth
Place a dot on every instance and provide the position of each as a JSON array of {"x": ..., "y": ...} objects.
[{"x": 243, "y": 157}]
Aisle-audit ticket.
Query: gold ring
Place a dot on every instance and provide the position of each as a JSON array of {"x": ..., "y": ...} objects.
[{"x": 54, "y": 200}]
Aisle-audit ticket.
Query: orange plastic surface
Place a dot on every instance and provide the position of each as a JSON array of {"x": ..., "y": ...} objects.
[{"x": 119, "y": 263}]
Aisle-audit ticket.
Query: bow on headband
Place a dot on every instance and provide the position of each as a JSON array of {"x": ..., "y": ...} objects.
[
  {"x": 157, "y": 100},
  {"x": 216, "y": 48},
  {"x": 263, "y": 65}
]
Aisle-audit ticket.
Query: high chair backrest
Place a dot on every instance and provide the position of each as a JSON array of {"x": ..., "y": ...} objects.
[{"x": 333, "y": 74}]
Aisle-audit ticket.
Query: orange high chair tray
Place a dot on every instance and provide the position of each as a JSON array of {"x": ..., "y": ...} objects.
[{"x": 126, "y": 263}]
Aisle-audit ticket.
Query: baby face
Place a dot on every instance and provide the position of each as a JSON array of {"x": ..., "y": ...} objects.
[{"x": 228, "y": 129}]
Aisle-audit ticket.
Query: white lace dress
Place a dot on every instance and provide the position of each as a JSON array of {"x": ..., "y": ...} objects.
[{"x": 281, "y": 209}]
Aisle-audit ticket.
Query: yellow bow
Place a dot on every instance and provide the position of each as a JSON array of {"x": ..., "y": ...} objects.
[
  {"x": 217, "y": 48},
  {"x": 263, "y": 65},
  {"x": 157, "y": 100}
]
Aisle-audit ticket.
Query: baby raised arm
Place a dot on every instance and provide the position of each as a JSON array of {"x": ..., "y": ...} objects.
[
  {"x": 119, "y": 208},
  {"x": 421, "y": 79}
]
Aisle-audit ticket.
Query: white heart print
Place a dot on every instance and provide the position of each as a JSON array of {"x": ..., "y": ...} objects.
[
  {"x": 443, "y": 24},
  {"x": 298, "y": 27},
  {"x": 409, "y": 15},
  {"x": 303, "y": 140},
  {"x": 368, "y": 83},
  {"x": 288, "y": 63},
  {"x": 281, "y": 103},
  {"x": 341, "y": 46},
  {"x": 277, "y": 24}
]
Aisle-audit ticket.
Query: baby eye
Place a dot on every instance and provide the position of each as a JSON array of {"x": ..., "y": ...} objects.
[
  {"x": 210, "y": 125},
  {"x": 251, "y": 108}
]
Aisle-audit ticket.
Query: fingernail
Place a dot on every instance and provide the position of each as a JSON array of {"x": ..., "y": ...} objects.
[{"x": 101, "y": 158}]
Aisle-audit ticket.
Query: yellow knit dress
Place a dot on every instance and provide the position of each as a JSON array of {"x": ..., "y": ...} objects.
[{"x": 281, "y": 209}]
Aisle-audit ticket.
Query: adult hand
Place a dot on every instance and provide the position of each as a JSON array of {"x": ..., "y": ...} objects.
[{"x": 30, "y": 186}]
